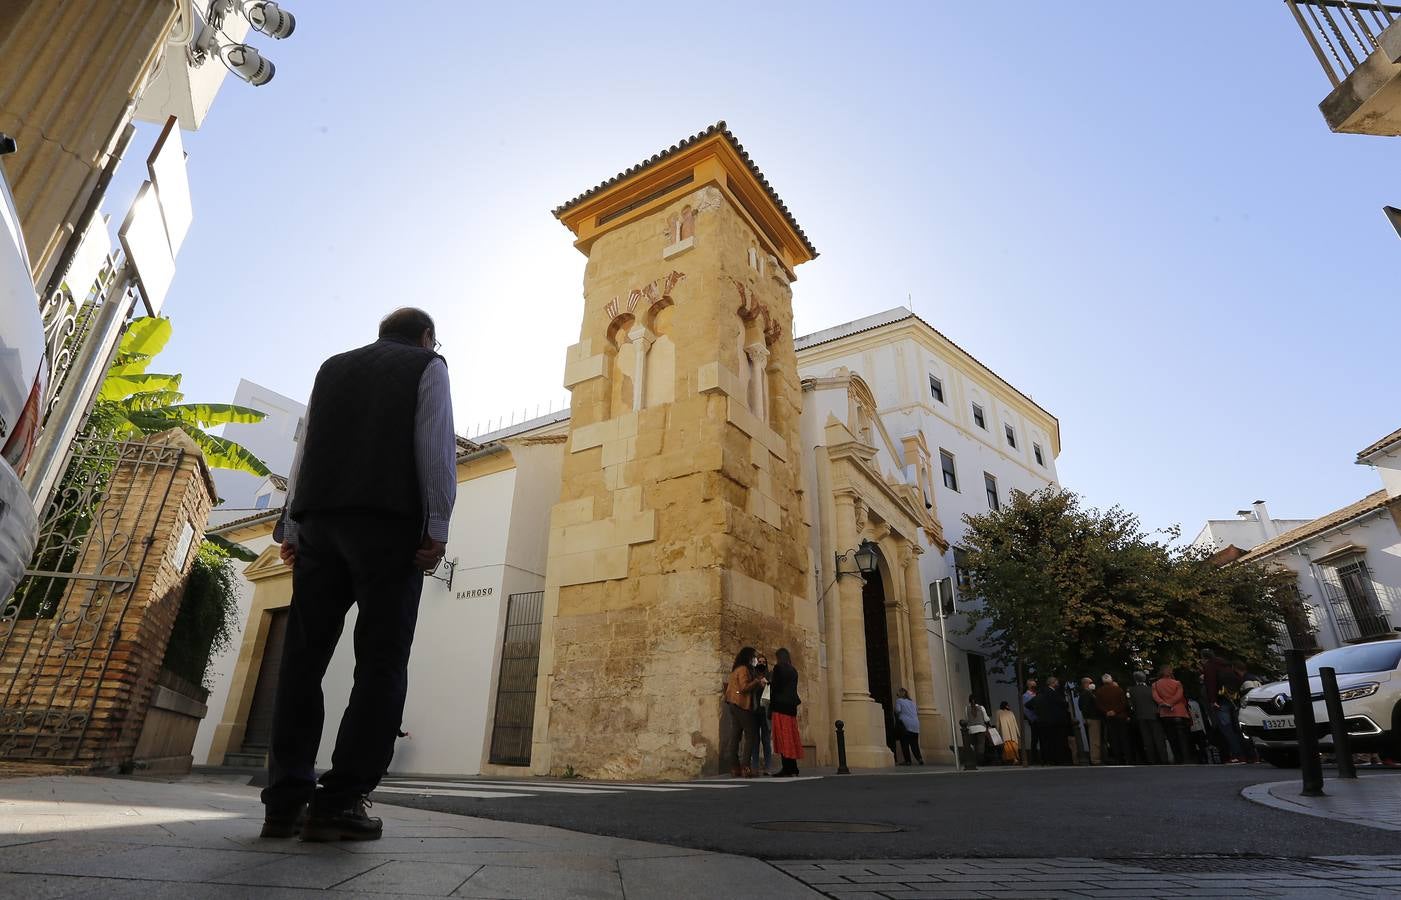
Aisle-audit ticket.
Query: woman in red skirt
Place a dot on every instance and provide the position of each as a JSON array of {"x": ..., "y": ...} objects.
[{"x": 783, "y": 707}]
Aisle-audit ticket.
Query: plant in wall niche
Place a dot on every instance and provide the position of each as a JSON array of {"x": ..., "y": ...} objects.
[{"x": 208, "y": 618}]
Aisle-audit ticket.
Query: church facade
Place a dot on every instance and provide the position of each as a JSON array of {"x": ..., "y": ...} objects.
[{"x": 707, "y": 490}]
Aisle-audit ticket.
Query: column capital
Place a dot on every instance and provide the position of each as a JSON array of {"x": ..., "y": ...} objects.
[{"x": 641, "y": 335}]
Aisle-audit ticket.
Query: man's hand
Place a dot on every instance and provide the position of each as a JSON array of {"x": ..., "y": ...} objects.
[
  {"x": 288, "y": 552},
  {"x": 429, "y": 554}
]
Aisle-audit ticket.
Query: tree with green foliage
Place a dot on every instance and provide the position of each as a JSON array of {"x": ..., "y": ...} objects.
[
  {"x": 1072, "y": 590},
  {"x": 133, "y": 402}
]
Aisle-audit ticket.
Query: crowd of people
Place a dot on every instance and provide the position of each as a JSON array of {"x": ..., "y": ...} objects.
[
  {"x": 1151, "y": 723},
  {"x": 763, "y": 708}
]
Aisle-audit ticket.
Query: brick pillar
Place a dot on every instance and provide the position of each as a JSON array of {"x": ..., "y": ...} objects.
[{"x": 163, "y": 509}]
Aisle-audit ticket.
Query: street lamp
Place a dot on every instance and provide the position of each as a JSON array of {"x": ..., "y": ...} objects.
[{"x": 864, "y": 555}]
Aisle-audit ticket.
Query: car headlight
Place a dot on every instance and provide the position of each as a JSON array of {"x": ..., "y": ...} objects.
[{"x": 1359, "y": 691}]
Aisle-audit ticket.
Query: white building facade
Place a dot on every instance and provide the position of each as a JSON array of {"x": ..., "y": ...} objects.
[
  {"x": 273, "y": 440},
  {"x": 1248, "y": 530},
  {"x": 983, "y": 438},
  {"x": 1348, "y": 562}
]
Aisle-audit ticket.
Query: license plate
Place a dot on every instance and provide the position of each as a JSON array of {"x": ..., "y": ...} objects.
[{"x": 1273, "y": 723}]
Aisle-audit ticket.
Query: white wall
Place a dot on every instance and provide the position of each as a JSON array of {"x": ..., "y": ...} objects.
[
  {"x": 221, "y": 667},
  {"x": 454, "y": 644},
  {"x": 272, "y": 440}
]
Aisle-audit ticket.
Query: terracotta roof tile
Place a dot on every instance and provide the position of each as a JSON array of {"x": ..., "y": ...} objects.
[
  {"x": 1303, "y": 532},
  {"x": 718, "y": 128},
  {"x": 1393, "y": 438}
]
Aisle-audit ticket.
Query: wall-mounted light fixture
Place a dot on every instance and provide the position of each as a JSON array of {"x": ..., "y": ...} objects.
[{"x": 864, "y": 555}]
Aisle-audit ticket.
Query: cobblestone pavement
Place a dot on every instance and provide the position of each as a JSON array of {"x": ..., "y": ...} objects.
[
  {"x": 1317, "y": 877},
  {"x": 1368, "y": 800}
]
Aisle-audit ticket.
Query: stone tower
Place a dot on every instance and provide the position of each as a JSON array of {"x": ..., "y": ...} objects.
[{"x": 680, "y": 535}]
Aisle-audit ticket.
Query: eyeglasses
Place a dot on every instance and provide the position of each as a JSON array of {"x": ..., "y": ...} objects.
[{"x": 437, "y": 345}]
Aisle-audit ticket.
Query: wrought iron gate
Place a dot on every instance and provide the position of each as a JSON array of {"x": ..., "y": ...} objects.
[
  {"x": 59, "y": 631},
  {"x": 515, "y": 687}
]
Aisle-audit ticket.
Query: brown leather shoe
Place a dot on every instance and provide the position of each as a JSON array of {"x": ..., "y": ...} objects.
[{"x": 346, "y": 824}]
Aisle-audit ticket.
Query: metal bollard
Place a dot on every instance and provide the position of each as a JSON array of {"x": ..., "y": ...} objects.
[
  {"x": 841, "y": 749},
  {"x": 1304, "y": 726},
  {"x": 1342, "y": 744}
]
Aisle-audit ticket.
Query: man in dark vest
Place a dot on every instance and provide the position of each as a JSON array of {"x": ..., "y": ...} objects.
[{"x": 368, "y": 501}]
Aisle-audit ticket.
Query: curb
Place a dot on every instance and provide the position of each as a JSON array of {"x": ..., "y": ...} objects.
[{"x": 1262, "y": 794}]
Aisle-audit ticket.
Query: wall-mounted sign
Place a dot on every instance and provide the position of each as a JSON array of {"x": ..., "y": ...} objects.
[{"x": 473, "y": 593}]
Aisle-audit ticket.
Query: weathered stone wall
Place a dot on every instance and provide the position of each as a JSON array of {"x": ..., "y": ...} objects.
[{"x": 679, "y": 536}]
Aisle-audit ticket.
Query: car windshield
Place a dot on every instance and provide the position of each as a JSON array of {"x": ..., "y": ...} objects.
[{"x": 1359, "y": 659}]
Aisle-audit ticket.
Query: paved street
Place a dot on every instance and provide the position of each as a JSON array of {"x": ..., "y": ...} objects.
[
  {"x": 83, "y": 837},
  {"x": 1109, "y": 812}
]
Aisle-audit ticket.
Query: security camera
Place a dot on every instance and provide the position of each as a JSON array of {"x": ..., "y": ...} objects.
[
  {"x": 270, "y": 19},
  {"x": 247, "y": 63}
]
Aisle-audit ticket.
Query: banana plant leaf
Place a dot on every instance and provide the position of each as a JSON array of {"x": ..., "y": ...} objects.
[
  {"x": 145, "y": 336},
  {"x": 220, "y": 453},
  {"x": 211, "y": 414},
  {"x": 232, "y": 548},
  {"x": 148, "y": 401},
  {"x": 115, "y": 387}
]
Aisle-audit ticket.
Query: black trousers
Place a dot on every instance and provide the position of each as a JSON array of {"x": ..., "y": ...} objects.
[
  {"x": 343, "y": 560},
  {"x": 744, "y": 737},
  {"x": 1151, "y": 731},
  {"x": 909, "y": 745},
  {"x": 1177, "y": 734},
  {"x": 1116, "y": 732}
]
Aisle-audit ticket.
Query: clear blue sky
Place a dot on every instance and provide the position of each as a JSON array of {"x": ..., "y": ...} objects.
[{"x": 1131, "y": 211}]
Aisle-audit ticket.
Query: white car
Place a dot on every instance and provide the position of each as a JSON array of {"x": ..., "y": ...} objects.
[
  {"x": 1369, "y": 682},
  {"x": 24, "y": 373}
]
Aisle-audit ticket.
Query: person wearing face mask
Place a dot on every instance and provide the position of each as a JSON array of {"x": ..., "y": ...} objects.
[
  {"x": 740, "y": 701},
  {"x": 761, "y": 719}
]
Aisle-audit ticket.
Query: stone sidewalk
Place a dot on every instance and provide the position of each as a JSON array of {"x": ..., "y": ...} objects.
[
  {"x": 1371, "y": 800},
  {"x": 64, "y": 837},
  {"x": 1224, "y": 877}
]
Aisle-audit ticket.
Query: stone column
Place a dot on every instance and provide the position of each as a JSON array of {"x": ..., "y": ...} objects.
[
  {"x": 855, "y": 680},
  {"x": 758, "y": 355},
  {"x": 864, "y": 718},
  {"x": 933, "y": 726},
  {"x": 642, "y": 339}
]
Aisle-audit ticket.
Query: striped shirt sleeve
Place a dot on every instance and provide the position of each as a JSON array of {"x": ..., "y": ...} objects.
[{"x": 435, "y": 449}]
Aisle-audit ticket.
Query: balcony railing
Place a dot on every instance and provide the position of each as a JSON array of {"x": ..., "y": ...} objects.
[{"x": 1342, "y": 33}]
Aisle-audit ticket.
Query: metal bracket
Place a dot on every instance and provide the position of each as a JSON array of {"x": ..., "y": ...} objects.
[{"x": 444, "y": 566}]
